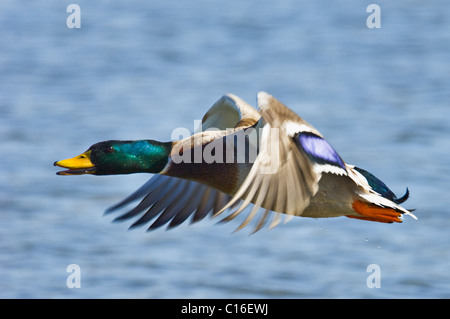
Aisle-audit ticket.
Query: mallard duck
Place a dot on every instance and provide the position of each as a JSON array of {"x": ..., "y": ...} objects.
[{"x": 270, "y": 158}]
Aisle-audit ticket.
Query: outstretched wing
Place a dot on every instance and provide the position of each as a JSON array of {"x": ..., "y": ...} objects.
[
  {"x": 286, "y": 172},
  {"x": 171, "y": 200}
]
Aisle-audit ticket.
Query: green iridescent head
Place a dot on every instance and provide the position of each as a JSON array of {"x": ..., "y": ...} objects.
[{"x": 119, "y": 157}]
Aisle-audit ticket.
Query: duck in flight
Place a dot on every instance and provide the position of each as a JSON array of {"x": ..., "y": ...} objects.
[{"x": 270, "y": 160}]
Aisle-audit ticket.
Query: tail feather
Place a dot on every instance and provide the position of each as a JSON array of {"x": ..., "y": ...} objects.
[{"x": 376, "y": 201}]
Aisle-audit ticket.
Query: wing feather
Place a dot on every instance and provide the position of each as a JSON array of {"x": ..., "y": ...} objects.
[
  {"x": 283, "y": 178},
  {"x": 163, "y": 184},
  {"x": 171, "y": 201},
  {"x": 229, "y": 112},
  {"x": 189, "y": 208}
]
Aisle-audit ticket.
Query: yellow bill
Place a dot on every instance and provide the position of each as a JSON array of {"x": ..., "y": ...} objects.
[{"x": 77, "y": 165}]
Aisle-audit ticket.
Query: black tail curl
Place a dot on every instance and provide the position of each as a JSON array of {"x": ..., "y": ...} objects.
[{"x": 403, "y": 198}]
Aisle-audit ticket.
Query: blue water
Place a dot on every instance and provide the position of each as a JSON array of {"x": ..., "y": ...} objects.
[{"x": 140, "y": 69}]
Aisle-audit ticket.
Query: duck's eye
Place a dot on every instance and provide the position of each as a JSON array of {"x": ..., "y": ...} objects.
[{"x": 109, "y": 149}]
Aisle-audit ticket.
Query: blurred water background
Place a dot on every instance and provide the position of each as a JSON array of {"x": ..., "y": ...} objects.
[{"x": 139, "y": 69}]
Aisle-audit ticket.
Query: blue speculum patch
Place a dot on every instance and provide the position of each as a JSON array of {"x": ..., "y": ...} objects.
[{"x": 319, "y": 149}]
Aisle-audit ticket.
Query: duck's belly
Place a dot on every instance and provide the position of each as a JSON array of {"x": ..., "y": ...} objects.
[{"x": 334, "y": 198}]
